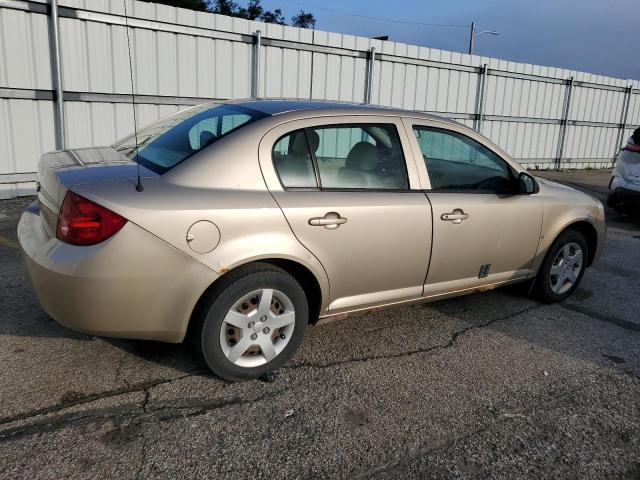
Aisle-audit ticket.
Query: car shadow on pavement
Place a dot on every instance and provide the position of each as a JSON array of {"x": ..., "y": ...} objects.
[{"x": 178, "y": 356}]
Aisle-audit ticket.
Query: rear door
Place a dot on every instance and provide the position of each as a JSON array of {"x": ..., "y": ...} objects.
[
  {"x": 352, "y": 199},
  {"x": 483, "y": 231}
]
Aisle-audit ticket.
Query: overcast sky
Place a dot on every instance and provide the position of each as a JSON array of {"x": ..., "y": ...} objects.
[{"x": 597, "y": 36}]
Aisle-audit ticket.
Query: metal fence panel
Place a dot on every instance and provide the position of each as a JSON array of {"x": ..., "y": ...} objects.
[
  {"x": 26, "y": 131},
  {"x": 96, "y": 123},
  {"x": 24, "y": 58},
  {"x": 545, "y": 117}
]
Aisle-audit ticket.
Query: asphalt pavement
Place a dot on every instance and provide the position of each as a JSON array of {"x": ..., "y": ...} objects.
[{"x": 492, "y": 385}]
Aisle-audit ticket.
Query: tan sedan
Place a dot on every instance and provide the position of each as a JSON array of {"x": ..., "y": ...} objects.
[{"x": 251, "y": 219}]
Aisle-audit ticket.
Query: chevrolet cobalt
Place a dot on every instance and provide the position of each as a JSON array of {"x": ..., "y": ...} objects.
[{"x": 237, "y": 224}]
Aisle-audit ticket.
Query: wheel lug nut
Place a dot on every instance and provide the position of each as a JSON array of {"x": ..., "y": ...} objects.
[
  {"x": 265, "y": 330},
  {"x": 254, "y": 336},
  {"x": 263, "y": 318},
  {"x": 251, "y": 324}
]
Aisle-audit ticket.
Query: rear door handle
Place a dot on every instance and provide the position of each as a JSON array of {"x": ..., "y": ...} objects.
[
  {"x": 330, "y": 221},
  {"x": 457, "y": 216}
]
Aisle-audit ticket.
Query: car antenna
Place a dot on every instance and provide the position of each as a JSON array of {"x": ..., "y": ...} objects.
[{"x": 139, "y": 186}]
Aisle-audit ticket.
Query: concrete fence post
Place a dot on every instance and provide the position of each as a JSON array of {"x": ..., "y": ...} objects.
[
  {"x": 257, "y": 60},
  {"x": 56, "y": 67},
  {"x": 566, "y": 109}
]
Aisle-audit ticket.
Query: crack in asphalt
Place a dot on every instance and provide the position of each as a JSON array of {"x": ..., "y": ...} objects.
[
  {"x": 80, "y": 400},
  {"x": 442, "y": 346},
  {"x": 143, "y": 449},
  {"x": 405, "y": 460},
  {"x": 145, "y": 402},
  {"x": 119, "y": 372},
  {"x": 61, "y": 421},
  {"x": 174, "y": 411},
  {"x": 143, "y": 454},
  {"x": 135, "y": 412},
  {"x": 148, "y": 410}
]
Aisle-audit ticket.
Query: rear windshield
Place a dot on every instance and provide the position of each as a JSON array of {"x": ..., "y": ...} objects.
[{"x": 167, "y": 142}]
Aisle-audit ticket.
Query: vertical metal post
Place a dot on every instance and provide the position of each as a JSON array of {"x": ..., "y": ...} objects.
[
  {"x": 57, "y": 77},
  {"x": 566, "y": 109},
  {"x": 472, "y": 34},
  {"x": 623, "y": 119},
  {"x": 480, "y": 99},
  {"x": 313, "y": 42},
  {"x": 368, "y": 93},
  {"x": 256, "y": 64}
]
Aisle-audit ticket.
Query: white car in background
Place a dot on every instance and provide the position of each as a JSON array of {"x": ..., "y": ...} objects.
[{"x": 625, "y": 178}]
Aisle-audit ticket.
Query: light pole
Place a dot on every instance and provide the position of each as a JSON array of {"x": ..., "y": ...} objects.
[{"x": 473, "y": 33}]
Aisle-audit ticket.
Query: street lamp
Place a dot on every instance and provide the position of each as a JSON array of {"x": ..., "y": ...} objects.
[{"x": 473, "y": 34}]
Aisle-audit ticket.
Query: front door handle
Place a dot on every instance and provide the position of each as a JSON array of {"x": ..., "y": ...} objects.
[
  {"x": 457, "y": 216},
  {"x": 330, "y": 221}
]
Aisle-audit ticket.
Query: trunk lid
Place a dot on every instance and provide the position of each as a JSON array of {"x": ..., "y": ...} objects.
[{"x": 58, "y": 171}]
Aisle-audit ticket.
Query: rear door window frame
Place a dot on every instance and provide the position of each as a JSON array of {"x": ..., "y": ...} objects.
[{"x": 316, "y": 168}]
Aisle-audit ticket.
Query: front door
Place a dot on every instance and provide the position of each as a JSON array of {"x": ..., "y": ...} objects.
[
  {"x": 346, "y": 194},
  {"x": 483, "y": 231}
]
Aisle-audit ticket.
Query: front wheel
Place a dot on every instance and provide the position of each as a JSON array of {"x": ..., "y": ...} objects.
[
  {"x": 563, "y": 267},
  {"x": 253, "y": 323}
]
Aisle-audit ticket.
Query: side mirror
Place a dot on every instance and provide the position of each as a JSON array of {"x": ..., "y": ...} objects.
[{"x": 527, "y": 184}]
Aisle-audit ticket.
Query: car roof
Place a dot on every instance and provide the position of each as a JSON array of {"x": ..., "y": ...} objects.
[{"x": 320, "y": 107}]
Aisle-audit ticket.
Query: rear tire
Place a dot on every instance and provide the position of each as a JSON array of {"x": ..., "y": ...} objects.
[
  {"x": 251, "y": 322},
  {"x": 562, "y": 268}
]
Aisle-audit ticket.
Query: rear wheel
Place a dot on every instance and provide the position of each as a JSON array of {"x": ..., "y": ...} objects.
[
  {"x": 253, "y": 322},
  {"x": 563, "y": 267}
]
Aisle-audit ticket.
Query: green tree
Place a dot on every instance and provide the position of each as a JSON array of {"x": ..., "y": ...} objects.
[
  {"x": 253, "y": 11},
  {"x": 303, "y": 20},
  {"x": 273, "y": 17},
  {"x": 199, "y": 5},
  {"x": 225, "y": 7}
]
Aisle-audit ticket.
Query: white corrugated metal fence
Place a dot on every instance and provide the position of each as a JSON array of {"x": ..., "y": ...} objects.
[{"x": 545, "y": 117}]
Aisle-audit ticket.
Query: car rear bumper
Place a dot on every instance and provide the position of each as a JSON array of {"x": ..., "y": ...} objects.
[{"x": 133, "y": 285}]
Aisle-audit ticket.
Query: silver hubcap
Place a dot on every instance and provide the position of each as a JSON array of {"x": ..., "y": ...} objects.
[
  {"x": 257, "y": 328},
  {"x": 566, "y": 268}
]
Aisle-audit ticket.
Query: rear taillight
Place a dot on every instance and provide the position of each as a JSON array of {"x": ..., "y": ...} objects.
[{"x": 83, "y": 222}]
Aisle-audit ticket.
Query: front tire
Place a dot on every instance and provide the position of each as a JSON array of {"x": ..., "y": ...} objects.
[
  {"x": 562, "y": 268},
  {"x": 252, "y": 322}
]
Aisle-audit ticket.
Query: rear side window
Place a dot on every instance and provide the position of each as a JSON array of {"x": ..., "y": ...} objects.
[
  {"x": 167, "y": 142},
  {"x": 292, "y": 161},
  {"x": 349, "y": 156},
  {"x": 457, "y": 162}
]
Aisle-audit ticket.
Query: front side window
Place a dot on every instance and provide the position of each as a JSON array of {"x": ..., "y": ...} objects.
[
  {"x": 167, "y": 142},
  {"x": 457, "y": 162}
]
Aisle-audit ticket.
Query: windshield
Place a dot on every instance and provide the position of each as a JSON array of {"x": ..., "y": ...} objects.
[{"x": 167, "y": 142}]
